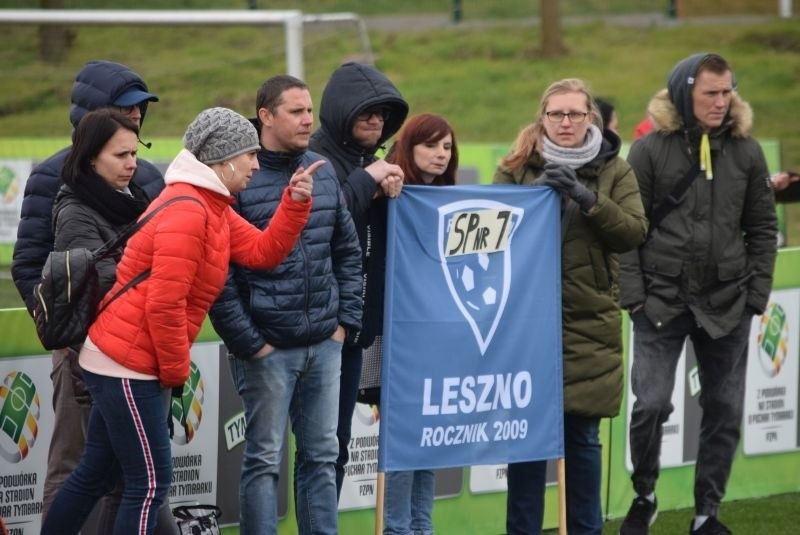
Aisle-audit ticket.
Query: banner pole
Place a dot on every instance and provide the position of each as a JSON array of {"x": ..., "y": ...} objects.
[
  {"x": 562, "y": 498},
  {"x": 379, "y": 505}
]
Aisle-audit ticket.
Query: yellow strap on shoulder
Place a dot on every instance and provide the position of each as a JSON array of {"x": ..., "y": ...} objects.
[{"x": 705, "y": 157}]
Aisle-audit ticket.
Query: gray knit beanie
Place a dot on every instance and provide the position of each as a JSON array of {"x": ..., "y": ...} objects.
[{"x": 218, "y": 134}]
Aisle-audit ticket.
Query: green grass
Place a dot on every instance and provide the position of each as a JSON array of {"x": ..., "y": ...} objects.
[
  {"x": 486, "y": 80},
  {"x": 776, "y": 515},
  {"x": 9, "y": 296}
]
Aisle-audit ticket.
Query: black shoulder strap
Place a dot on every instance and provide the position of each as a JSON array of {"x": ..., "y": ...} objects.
[
  {"x": 130, "y": 284},
  {"x": 112, "y": 246},
  {"x": 674, "y": 198}
]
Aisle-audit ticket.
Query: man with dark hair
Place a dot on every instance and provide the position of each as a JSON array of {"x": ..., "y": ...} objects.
[
  {"x": 360, "y": 110},
  {"x": 704, "y": 271},
  {"x": 99, "y": 84},
  {"x": 284, "y": 328}
]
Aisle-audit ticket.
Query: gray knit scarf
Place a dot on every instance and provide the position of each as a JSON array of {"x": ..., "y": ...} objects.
[{"x": 574, "y": 157}]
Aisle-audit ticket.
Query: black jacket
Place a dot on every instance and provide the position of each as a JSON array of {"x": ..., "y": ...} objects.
[
  {"x": 351, "y": 89},
  {"x": 96, "y": 86},
  {"x": 714, "y": 253},
  {"x": 76, "y": 223}
]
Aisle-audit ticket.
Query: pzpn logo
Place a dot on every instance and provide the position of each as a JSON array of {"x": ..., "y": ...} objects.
[
  {"x": 19, "y": 416},
  {"x": 773, "y": 340},
  {"x": 187, "y": 410}
]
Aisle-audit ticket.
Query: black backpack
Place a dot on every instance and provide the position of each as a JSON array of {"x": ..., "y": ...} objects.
[{"x": 68, "y": 293}]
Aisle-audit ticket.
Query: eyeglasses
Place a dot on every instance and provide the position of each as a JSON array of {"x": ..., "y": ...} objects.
[
  {"x": 575, "y": 117},
  {"x": 380, "y": 113},
  {"x": 127, "y": 110}
]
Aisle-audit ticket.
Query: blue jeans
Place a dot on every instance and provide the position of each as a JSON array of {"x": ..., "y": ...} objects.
[
  {"x": 348, "y": 395},
  {"x": 127, "y": 430},
  {"x": 583, "y": 460},
  {"x": 72, "y": 406},
  {"x": 302, "y": 384},
  {"x": 722, "y": 365},
  {"x": 408, "y": 503}
]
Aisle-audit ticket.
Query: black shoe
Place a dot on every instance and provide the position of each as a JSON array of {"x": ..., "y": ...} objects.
[
  {"x": 640, "y": 517},
  {"x": 711, "y": 526}
]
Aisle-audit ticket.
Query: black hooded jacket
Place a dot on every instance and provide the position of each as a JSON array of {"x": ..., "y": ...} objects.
[
  {"x": 352, "y": 89},
  {"x": 96, "y": 86}
]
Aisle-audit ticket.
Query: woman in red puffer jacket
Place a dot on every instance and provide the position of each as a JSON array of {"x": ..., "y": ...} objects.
[{"x": 138, "y": 348}]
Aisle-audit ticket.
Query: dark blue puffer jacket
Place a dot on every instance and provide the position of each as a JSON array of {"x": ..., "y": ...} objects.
[
  {"x": 315, "y": 289},
  {"x": 97, "y": 85}
]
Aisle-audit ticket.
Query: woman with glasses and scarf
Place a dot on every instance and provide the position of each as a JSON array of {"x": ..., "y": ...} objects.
[{"x": 567, "y": 149}]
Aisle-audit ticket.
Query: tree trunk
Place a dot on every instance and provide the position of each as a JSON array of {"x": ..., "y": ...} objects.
[
  {"x": 552, "y": 42},
  {"x": 54, "y": 41}
]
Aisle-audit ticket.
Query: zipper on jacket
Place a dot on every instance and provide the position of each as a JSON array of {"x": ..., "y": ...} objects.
[
  {"x": 306, "y": 287},
  {"x": 69, "y": 281},
  {"x": 689, "y": 150},
  {"x": 306, "y": 282},
  {"x": 38, "y": 290},
  {"x": 608, "y": 272}
]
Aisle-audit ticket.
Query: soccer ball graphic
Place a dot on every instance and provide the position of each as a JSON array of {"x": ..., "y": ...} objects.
[{"x": 484, "y": 297}]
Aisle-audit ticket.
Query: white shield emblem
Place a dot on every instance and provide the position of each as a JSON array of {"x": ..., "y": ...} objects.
[{"x": 474, "y": 243}]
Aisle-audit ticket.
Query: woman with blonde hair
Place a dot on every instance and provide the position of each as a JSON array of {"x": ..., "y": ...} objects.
[{"x": 601, "y": 217}]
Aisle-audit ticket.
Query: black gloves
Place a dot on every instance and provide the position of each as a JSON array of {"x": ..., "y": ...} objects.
[{"x": 563, "y": 179}]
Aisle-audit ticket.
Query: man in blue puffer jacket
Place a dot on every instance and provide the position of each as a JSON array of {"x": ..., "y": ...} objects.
[
  {"x": 285, "y": 327},
  {"x": 99, "y": 84}
]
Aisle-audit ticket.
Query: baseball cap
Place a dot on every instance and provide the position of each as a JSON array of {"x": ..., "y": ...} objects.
[{"x": 134, "y": 95}]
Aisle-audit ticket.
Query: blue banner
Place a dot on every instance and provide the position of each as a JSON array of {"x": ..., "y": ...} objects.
[{"x": 472, "y": 331}]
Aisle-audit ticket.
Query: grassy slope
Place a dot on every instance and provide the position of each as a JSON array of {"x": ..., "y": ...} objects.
[{"x": 486, "y": 80}]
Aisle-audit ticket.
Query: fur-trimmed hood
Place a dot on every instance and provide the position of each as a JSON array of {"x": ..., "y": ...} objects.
[{"x": 665, "y": 116}]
